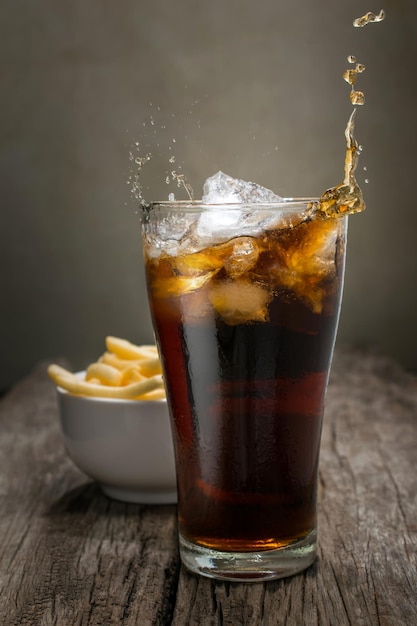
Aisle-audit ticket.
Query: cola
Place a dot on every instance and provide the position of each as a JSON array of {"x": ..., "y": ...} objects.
[{"x": 246, "y": 329}]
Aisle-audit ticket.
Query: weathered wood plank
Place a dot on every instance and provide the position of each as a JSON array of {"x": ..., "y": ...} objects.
[{"x": 69, "y": 555}]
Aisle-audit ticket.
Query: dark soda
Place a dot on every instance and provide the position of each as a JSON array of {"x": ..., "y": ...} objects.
[{"x": 246, "y": 330}]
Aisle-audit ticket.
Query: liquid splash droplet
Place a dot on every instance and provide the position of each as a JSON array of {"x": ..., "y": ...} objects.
[
  {"x": 350, "y": 76},
  {"x": 183, "y": 182},
  {"x": 134, "y": 179},
  {"x": 347, "y": 197},
  {"x": 357, "y": 98},
  {"x": 369, "y": 18}
]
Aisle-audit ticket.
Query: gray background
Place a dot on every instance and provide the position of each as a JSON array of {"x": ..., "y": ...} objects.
[{"x": 254, "y": 89}]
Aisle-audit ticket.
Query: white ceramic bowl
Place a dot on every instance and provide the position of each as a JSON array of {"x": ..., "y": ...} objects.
[{"x": 125, "y": 445}]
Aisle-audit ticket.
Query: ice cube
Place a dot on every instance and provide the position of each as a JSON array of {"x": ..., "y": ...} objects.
[
  {"x": 176, "y": 286},
  {"x": 219, "y": 223},
  {"x": 223, "y": 189},
  {"x": 236, "y": 208},
  {"x": 225, "y": 221},
  {"x": 240, "y": 301},
  {"x": 236, "y": 256},
  {"x": 165, "y": 235},
  {"x": 306, "y": 262},
  {"x": 243, "y": 256},
  {"x": 207, "y": 260}
]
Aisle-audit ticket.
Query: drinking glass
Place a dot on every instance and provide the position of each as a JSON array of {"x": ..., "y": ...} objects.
[{"x": 245, "y": 301}]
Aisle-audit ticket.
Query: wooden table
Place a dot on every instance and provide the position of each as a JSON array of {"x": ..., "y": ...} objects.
[{"x": 69, "y": 555}]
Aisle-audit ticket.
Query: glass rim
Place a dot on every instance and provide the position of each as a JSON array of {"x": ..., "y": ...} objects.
[{"x": 283, "y": 204}]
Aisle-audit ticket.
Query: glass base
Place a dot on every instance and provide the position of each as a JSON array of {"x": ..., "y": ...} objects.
[{"x": 250, "y": 566}]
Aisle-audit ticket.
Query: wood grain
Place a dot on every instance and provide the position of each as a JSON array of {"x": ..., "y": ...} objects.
[{"x": 69, "y": 555}]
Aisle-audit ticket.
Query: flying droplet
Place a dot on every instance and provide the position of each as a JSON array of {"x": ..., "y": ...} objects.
[
  {"x": 357, "y": 97},
  {"x": 350, "y": 76},
  {"x": 369, "y": 18}
]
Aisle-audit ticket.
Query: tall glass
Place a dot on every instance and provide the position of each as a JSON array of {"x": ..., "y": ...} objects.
[{"x": 245, "y": 302}]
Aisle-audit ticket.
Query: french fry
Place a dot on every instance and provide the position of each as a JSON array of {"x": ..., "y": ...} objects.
[
  {"x": 94, "y": 381},
  {"x": 126, "y": 350},
  {"x": 105, "y": 374},
  {"x": 150, "y": 367},
  {"x": 157, "y": 394},
  {"x": 56, "y": 371},
  {"x": 111, "y": 359},
  {"x": 125, "y": 370},
  {"x": 131, "y": 374},
  {"x": 75, "y": 385}
]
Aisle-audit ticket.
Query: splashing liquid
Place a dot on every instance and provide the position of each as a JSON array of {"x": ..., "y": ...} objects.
[
  {"x": 347, "y": 197},
  {"x": 183, "y": 183},
  {"x": 153, "y": 146},
  {"x": 134, "y": 178},
  {"x": 368, "y": 18},
  {"x": 343, "y": 199}
]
